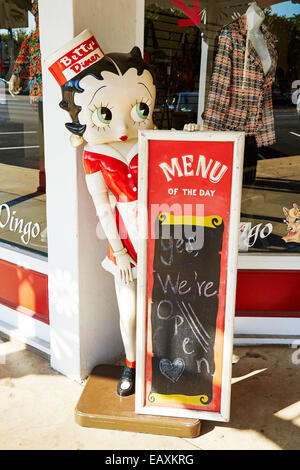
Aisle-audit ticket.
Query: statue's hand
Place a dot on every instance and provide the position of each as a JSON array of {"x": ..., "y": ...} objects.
[
  {"x": 191, "y": 127},
  {"x": 124, "y": 263},
  {"x": 14, "y": 85}
]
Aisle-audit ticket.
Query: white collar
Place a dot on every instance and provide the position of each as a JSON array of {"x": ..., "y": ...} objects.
[{"x": 109, "y": 151}]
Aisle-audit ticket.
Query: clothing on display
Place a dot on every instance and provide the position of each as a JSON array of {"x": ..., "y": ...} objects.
[
  {"x": 28, "y": 64},
  {"x": 240, "y": 96}
]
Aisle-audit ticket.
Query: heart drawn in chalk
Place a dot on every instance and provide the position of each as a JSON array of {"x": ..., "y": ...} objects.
[{"x": 172, "y": 370}]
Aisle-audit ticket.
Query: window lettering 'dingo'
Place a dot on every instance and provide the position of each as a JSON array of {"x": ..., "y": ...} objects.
[{"x": 10, "y": 221}]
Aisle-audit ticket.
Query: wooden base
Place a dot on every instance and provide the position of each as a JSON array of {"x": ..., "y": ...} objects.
[{"x": 101, "y": 407}]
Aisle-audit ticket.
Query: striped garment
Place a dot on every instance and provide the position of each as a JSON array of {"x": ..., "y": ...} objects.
[{"x": 240, "y": 97}]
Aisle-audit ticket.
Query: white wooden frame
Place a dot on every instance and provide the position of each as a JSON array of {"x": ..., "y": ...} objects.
[{"x": 238, "y": 140}]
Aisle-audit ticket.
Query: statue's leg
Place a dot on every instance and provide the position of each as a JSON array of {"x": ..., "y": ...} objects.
[{"x": 126, "y": 296}]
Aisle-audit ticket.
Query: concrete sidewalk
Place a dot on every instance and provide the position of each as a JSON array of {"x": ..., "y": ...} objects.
[{"x": 37, "y": 407}]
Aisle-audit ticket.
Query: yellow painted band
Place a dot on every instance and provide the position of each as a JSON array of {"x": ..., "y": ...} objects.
[
  {"x": 211, "y": 221},
  {"x": 200, "y": 400}
]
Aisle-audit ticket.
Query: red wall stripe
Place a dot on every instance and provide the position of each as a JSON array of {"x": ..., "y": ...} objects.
[
  {"x": 260, "y": 293},
  {"x": 24, "y": 290},
  {"x": 268, "y": 293}
]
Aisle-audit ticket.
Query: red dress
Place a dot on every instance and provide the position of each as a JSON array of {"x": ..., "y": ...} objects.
[{"x": 121, "y": 179}]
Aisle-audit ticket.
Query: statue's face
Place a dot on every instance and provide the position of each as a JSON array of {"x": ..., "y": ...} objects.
[{"x": 115, "y": 108}]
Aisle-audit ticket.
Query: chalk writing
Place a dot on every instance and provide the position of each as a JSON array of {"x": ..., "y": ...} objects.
[{"x": 184, "y": 311}]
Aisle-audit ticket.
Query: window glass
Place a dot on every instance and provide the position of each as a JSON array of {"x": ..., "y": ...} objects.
[
  {"x": 174, "y": 51},
  {"x": 183, "y": 57},
  {"x": 270, "y": 213},
  {"x": 22, "y": 176}
]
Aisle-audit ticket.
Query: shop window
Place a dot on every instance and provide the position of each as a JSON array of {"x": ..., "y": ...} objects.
[
  {"x": 270, "y": 213},
  {"x": 22, "y": 176},
  {"x": 174, "y": 53},
  {"x": 270, "y": 209}
]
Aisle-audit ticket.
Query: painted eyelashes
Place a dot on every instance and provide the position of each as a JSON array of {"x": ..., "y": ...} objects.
[{"x": 102, "y": 116}]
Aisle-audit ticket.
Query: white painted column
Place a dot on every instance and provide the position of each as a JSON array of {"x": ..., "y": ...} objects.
[{"x": 84, "y": 319}]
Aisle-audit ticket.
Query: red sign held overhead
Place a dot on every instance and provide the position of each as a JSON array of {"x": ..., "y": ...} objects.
[{"x": 193, "y": 14}]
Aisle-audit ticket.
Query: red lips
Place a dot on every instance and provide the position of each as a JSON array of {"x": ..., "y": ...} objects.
[{"x": 124, "y": 138}]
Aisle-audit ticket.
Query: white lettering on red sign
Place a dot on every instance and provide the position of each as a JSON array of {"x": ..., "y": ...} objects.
[
  {"x": 190, "y": 166},
  {"x": 78, "y": 53}
]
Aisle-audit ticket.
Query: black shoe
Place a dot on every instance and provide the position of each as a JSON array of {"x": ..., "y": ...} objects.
[{"x": 128, "y": 376}]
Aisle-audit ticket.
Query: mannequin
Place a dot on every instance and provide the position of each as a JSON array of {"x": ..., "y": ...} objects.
[
  {"x": 255, "y": 17},
  {"x": 109, "y": 101},
  {"x": 28, "y": 63}
]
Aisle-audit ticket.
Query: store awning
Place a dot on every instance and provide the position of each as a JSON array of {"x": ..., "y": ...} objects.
[{"x": 13, "y": 13}]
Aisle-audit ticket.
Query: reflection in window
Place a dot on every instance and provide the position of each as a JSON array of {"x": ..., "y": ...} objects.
[
  {"x": 22, "y": 175},
  {"x": 174, "y": 53},
  {"x": 271, "y": 181},
  {"x": 270, "y": 204}
]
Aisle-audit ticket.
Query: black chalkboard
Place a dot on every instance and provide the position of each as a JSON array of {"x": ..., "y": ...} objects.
[{"x": 184, "y": 310}]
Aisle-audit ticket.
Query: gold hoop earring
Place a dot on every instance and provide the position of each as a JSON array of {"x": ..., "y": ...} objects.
[{"x": 76, "y": 140}]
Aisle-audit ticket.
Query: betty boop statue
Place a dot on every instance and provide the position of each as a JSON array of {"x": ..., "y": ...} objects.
[{"x": 109, "y": 98}]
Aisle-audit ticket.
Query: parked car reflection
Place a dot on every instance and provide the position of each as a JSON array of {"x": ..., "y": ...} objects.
[{"x": 182, "y": 109}]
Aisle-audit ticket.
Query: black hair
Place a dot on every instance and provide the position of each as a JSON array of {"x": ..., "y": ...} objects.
[{"x": 115, "y": 62}]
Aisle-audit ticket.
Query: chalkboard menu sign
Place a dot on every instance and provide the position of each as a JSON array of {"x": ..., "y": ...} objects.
[{"x": 189, "y": 209}]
